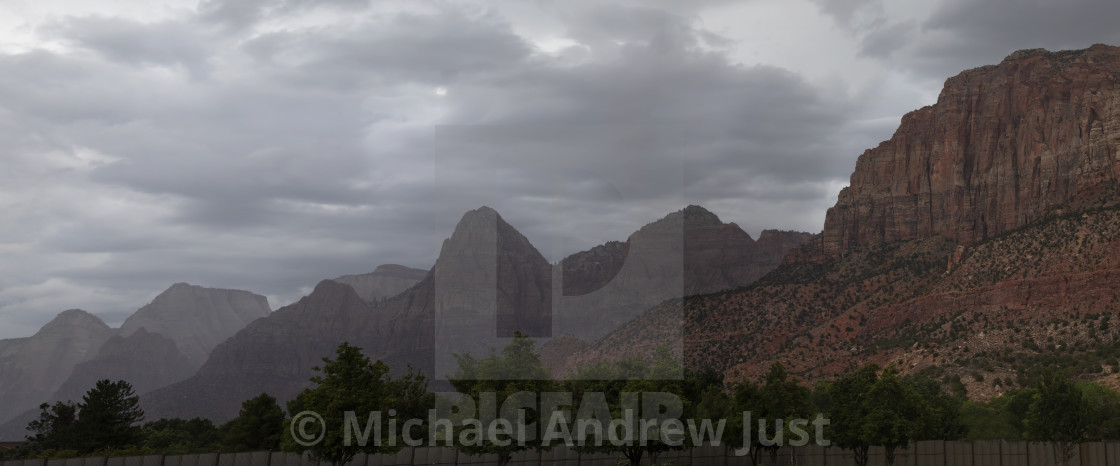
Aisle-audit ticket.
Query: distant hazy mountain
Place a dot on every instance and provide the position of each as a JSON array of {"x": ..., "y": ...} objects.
[
  {"x": 687, "y": 252},
  {"x": 163, "y": 342},
  {"x": 197, "y": 318},
  {"x": 31, "y": 369},
  {"x": 385, "y": 281},
  {"x": 276, "y": 354},
  {"x": 146, "y": 360},
  {"x": 488, "y": 280}
]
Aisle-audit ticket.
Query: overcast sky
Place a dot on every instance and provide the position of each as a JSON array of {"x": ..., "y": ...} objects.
[{"x": 267, "y": 144}]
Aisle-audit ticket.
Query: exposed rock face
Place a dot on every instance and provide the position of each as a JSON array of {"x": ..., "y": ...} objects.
[
  {"x": 385, "y": 281},
  {"x": 33, "y": 368},
  {"x": 910, "y": 270},
  {"x": 197, "y": 318},
  {"x": 1004, "y": 145}
]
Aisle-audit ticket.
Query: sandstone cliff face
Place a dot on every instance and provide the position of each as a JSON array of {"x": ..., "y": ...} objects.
[
  {"x": 385, "y": 281},
  {"x": 1003, "y": 146},
  {"x": 197, "y": 318},
  {"x": 33, "y": 368}
]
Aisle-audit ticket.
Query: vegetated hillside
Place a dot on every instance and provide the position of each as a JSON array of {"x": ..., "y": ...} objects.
[{"x": 990, "y": 314}]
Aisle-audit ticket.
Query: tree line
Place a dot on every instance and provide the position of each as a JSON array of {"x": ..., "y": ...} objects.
[{"x": 870, "y": 406}]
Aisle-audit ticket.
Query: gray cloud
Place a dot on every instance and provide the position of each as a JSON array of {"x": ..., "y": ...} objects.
[
  {"x": 962, "y": 34},
  {"x": 268, "y": 144}
]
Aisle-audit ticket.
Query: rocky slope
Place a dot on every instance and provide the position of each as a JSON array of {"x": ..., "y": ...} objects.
[
  {"x": 197, "y": 318},
  {"x": 960, "y": 250},
  {"x": 33, "y": 368},
  {"x": 687, "y": 252},
  {"x": 385, "y": 281},
  {"x": 1003, "y": 146}
]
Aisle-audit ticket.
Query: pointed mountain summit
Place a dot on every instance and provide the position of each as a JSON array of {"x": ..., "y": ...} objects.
[
  {"x": 197, "y": 318},
  {"x": 487, "y": 269}
]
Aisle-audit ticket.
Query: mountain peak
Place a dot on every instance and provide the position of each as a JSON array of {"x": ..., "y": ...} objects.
[
  {"x": 197, "y": 318},
  {"x": 696, "y": 215},
  {"x": 74, "y": 318}
]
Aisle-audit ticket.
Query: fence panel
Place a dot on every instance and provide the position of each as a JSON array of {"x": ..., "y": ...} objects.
[
  {"x": 987, "y": 453},
  {"x": 1040, "y": 454},
  {"x": 929, "y": 453},
  {"x": 1112, "y": 450},
  {"x": 1094, "y": 453},
  {"x": 1014, "y": 454}
]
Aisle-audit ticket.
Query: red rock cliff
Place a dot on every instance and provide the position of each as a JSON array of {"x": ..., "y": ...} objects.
[{"x": 1004, "y": 145}]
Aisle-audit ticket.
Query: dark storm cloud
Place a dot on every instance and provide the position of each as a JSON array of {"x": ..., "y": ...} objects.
[
  {"x": 266, "y": 156},
  {"x": 962, "y": 34}
]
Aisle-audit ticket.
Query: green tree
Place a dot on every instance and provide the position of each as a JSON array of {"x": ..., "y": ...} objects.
[
  {"x": 54, "y": 429},
  {"x": 258, "y": 427},
  {"x": 894, "y": 413},
  {"x": 108, "y": 417},
  {"x": 351, "y": 383},
  {"x": 180, "y": 436},
  {"x": 664, "y": 376},
  {"x": 1017, "y": 405},
  {"x": 988, "y": 421},
  {"x": 941, "y": 418},
  {"x": 782, "y": 398},
  {"x": 1102, "y": 412},
  {"x": 1058, "y": 415},
  {"x": 849, "y": 408},
  {"x": 510, "y": 375},
  {"x": 640, "y": 377},
  {"x": 746, "y": 396}
]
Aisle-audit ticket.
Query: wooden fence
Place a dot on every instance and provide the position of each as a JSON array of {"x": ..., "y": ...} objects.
[{"x": 931, "y": 453}]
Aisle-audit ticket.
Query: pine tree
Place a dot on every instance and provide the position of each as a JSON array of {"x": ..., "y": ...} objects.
[
  {"x": 258, "y": 427},
  {"x": 108, "y": 417}
]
